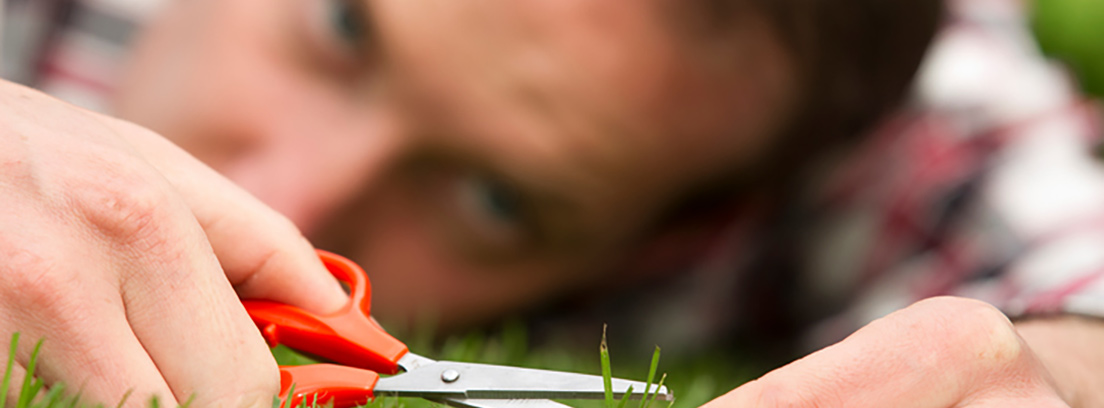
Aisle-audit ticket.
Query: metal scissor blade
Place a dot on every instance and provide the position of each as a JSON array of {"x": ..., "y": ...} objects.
[
  {"x": 499, "y": 403},
  {"x": 454, "y": 380}
]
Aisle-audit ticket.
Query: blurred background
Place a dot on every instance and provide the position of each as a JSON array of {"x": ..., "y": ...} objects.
[
  {"x": 1069, "y": 32},
  {"x": 1072, "y": 32}
]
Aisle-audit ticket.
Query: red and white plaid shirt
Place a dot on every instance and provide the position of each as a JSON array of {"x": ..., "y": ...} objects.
[{"x": 986, "y": 187}]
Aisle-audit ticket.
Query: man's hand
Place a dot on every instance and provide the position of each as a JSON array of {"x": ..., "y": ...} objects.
[
  {"x": 123, "y": 252},
  {"x": 941, "y": 352}
]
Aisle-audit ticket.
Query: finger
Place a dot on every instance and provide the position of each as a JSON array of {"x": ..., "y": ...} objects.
[
  {"x": 936, "y": 353},
  {"x": 87, "y": 343},
  {"x": 263, "y": 254},
  {"x": 103, "y": 361},
  {"x": 1019, "y": 401},
  {"x": 187, "y": 316}
]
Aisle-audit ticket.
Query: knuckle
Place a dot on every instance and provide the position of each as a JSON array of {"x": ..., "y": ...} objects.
[
  {"x": 287, "y": 241},
  {"x": 285, "y": 227},
  {"x": 967, "y": 330},
  {"x": 128, "y": 209},
  {"x": 37, "y": 285}
]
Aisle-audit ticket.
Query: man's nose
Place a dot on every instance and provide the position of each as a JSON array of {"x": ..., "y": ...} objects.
[{"x": 313, "y": 159}]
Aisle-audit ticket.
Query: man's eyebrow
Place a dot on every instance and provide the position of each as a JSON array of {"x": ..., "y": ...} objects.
[{"x": 373, "y": 49}]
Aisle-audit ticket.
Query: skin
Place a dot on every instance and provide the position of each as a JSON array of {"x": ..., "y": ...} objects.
[
  {"x": 124, "y": 252},
  {"x": 396, "y": 149},
  {"x": 942, "y": 352},
  {"x": 382, "y": 146}
]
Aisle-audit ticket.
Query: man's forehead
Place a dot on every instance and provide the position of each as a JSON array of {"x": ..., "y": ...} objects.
[{"x": 606, "y": 83}]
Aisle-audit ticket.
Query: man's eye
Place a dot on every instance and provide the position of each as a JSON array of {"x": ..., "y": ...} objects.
[
  {"x": 346, "y": 18},
  {"x": 495, "y": 200},
  {"x": 495, "y": 208}
]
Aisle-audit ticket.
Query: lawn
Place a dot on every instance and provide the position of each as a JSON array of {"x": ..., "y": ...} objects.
[{"x": 693, "y": 380}]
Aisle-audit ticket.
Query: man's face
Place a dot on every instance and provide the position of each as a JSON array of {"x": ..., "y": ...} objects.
[{"x": 474, "y": 156}]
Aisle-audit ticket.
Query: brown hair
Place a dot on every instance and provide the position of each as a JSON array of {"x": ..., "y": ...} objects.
[{"x": 856, "y": 61}]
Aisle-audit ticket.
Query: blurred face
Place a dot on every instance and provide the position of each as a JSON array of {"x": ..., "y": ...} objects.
[{"x": 476, "y": 157}]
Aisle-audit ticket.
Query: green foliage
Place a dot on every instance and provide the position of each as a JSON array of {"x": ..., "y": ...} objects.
[
  {"x": 1072, "y": 31},
  {"x": 700, "y": 379},
  {"x": 607, "y": 372},
  {"x": 607, "y": 377},
  {"x": 29, "y": 391},
  {"x": 646, "y": 402}
]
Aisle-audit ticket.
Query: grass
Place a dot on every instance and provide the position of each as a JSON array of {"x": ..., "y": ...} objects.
[{"x": 694, "y": 381}]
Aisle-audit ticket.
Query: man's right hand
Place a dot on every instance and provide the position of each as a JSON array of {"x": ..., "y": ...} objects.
[{"x": 124, "y": 253}]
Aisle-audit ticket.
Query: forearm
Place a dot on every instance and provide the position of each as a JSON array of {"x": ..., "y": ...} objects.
[{"x": 1072, "y": 349}]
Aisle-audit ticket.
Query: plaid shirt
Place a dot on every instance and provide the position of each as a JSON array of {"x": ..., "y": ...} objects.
[
  {"x": 985, "y": 187},
  {"x": 988, "y": 188},
  {"x": 70, "y": 49}
]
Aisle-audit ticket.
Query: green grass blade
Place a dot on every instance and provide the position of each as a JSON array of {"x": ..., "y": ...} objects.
[
  {"x": 52, "y": 398},
  {"x": 625, "y": 398},
  {"x": 607, "y": 374},
  {"x": 188, "y": 403},
  {"x": 287, "y": 399},
  {"x": 75, "y": 400},
  {"x": 26, "y": 394},
  {"x": 8, "y": 371},
  {"x": 656, "y": 393},
  {"x": 36, "y": 386},
  {"x": 651, "y": 376},
  {"x": 126, "y": 396}
]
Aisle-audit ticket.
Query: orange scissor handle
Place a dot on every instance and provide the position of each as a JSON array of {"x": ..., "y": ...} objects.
[
  {"x": 348, "y": 336},
  {"x": 326, "y": 383}
]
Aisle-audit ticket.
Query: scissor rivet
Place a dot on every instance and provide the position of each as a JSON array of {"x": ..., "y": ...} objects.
[{"x": 450, "y": 375}]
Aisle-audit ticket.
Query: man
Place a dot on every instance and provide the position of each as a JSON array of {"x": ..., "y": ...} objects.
[{"x": 487, "y": 156}]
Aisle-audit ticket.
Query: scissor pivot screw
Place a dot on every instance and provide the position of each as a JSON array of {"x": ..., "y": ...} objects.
[{"x": 450, "y": 375}]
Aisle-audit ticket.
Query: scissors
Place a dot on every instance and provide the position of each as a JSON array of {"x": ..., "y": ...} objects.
[{"x": 363, "y": 350}]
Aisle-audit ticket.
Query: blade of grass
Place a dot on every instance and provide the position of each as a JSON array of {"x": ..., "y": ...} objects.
[
  {"x": 26, "y": 394},
  {"x": 126, "y": 396},
  {"x": 75, "y": 400},
  {"x": 52, "y": 398},
  {"x": 287, "y": 400},
  {"x": 651, "y": 376},
  {"x": 188, "y": 403},
  {"x": 8, "y": 370},
  {"x": 625, "y": 398},
  {"x": 656, "y": 393},
  {"x": 36, "y": 386},
  {"x": 607, "y": 375}
]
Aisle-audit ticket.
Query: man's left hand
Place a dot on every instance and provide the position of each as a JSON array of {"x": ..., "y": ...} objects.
[{"x": 940, "y": 352}]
